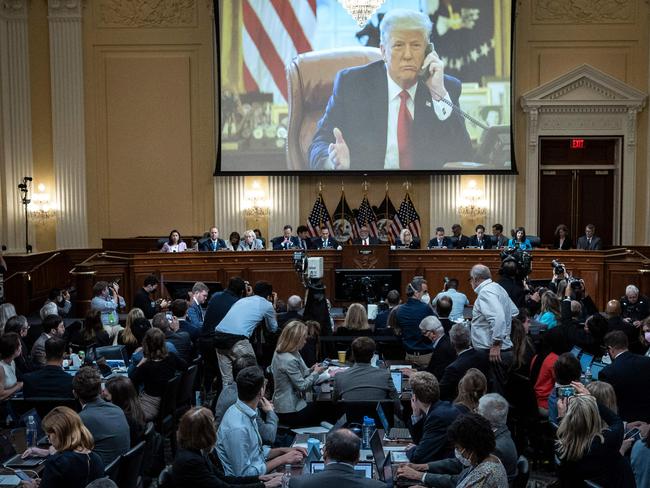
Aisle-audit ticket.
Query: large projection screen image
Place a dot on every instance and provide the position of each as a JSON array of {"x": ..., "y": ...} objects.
[{"x": 423, "y": 86}]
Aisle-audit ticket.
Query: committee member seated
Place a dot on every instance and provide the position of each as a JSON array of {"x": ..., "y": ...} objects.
[
  {"x": 174, "y": 243},
  {"x": 365, "y": 239},
  {"x": 384, "y": 116},
  {"x": 304, "y": 237},
  {"x": 590, "y": 241},
  {"x": 406, "y": 240},
  {"x": 105, "y": 421},
  {"x": 250, "y": 242},
  {"x": 212, "y": 243},
  {"x": 520, "y": 241},
  {"x": 562, "y": 238},
  {"x": 479, "y": 239},
  {"x": 430, "y": 420},
  {"x": 49, "y": 381},
  {"x": 498, "y": 239},
  {"x": 325, "y": 241},
  {"x": 239, "y": 444},
  {"x": 440, "y": 241},
  {"x": 462, "y": 241},
  {"x": 286, "y": 240},
  {"x": 362, "y": 382},
  {"x": 341, "y": 453}
]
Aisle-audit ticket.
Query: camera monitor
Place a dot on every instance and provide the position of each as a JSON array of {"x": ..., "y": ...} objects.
[{"x": 365, "y": 285}]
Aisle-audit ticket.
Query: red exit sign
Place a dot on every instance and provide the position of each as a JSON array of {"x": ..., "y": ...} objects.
[{"x": 577, "y": 143}]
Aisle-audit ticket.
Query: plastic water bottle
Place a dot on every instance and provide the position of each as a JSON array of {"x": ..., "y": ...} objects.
[
  {"x": 31, "y": 432},
  {"x": 367, "y": 429},
  {"x": 286, "y": 477},
  {"x": 197, "y": 399}
]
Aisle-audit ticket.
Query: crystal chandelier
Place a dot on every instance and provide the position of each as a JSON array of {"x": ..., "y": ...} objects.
[{"x": 361, "y": 10}]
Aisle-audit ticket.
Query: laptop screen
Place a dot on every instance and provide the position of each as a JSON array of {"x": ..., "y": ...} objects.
[
  {"x": 585, "y": 361},
  {"x": 596, "y": 368},
  {"x": 377, "y": 449},
  {"x": 576, "y": 351},
  {"x": 363, "y": 469},
  {"x": 382, "y": 418},
  {"x": 397, "y": 380}
]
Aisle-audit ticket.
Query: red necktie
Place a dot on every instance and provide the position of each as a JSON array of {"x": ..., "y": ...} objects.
[{"x": 404, "y": 123}]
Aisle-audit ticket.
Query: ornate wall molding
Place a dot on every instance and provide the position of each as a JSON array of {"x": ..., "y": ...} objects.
[
  {"x": 147, "y": 13},
  {"x": 584, "y": 12},
  {"x": 13, "y": 9},
  {"x": 65, "y": 9}
]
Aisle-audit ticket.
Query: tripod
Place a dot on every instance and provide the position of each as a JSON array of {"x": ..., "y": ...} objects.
[{"x": 24, "y": 189}]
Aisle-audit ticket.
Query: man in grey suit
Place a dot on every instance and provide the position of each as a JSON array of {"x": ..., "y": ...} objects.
[
  {"x": 362, "y": 382},
  {"x": 590, "y": 241},
  {"x": 341, "y": 453}
]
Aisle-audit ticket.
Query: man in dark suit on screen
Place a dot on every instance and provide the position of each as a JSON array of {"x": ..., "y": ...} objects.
[{"x": 384, "y": 115}]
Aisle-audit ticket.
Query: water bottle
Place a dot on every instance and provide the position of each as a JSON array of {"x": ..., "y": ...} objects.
[
  {"x": 286, "y": 477},
  {"x": 197, "y": 399},
  {"x": 367, "y": 430},
  {"x": 588, "y": 376},
  {"x": 31, "y": 432}
]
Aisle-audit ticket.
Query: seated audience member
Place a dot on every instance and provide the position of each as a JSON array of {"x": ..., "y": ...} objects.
[
  {"x": 194, "y": 464},
  {"x": 562, "y": 238},
  {"x": 132, "y": 336},
  {"x": 239, "y": 444},
  {"x": 462, "y": 241},
  {"x": 154, "y": 370},
  {"x": 430, "y": 419},
  {"x": 195, "y": 314},
  {"x": 640, "y": 459},
  {"x": 325, "y": 241},
  {"x": 406, "y": 240},
  {"x": 174, "y": 243},
  {"x": 294, "y": 305},
  {"x": 179, "y": 310},
  {"x": 52, "y": 327},
  {"x": 355, "y": 323},
  {"x": 589, "y": 241},
  {"x": 267, "y": 419},
  {"x": 143, "y": 301},
  {"x": 125, "y": 337},
  {"x": 626, "y": 374},
  {"x": 550, "y": 310},
  {"x": 604, "y": 394},
  {"x": 634, "y": 307},
  {"x": 90, "y": 334},
  {"x": 473, "y": 465},
  {"x": 542, "y": 372},
  {"x": 644, "y": 338},
  {"x": 121, "y": 392},
  {"x": 588, "y": 441},
  {"x": 18, "y": 324},
  {"x": 341, "y": 453},
  {"x": 440, "y": 241},
  {"x": 495, "y": 409},
  {"x": 365, "y": 239},
  {"x": 213, "y": 243},
  {"x": 471, "y": 388},
  {"x": 250, "y": 242},
  {"x": 10, "y": 349},
  {"x": 443, "y": 352},
  {"x": 519, "y": 240},
  {"x": 106, "y": 301},
  {"x": 615, "y": 322},
  {"x": 479, "y": 239},
  {"x": 292, "y": 378},
  {"x": 50, "y": 381},
  {"x": 233, "y": 241},
  {"x": 57, "y": 303},
  {"x": 408, "y": 317},
  {"x": 381, "y": 321},
  {"x": 466, "y": 357},
  {"x": 498, "y": 239},
  {"x": 567, "y": 370},
  {"x": 105, "y": 421},
  {"x": 286, "y": 240},
  {"x": 181, "y": 340},
  {"x": 75, "y": 462},
  {"x": 362, "y": 382},
  {"x": 459, "y": 300}
]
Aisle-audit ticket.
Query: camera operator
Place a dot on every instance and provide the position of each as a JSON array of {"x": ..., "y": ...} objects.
[
  {"x": 561, "y": 279},
  {"x": 512, "y": 281}
]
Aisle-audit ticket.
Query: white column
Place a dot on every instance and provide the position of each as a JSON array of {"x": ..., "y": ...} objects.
[
  {"x": 68, "y": 137},
  {"x": 500, "y": 194},
  {"x": 445, "y": 192},
  {"x": 16, "y": 125},
  {"x": 284, "y": 194},
  {"x": 228, "y": 211}
]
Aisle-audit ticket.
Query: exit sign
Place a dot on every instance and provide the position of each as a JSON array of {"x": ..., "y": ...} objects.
[{"x": 577, "y": 143}]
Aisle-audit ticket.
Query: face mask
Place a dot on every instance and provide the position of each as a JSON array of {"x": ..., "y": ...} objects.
[
  {"x": 425, "y": 298},
  {"x": 647, "y": 336},
  {"x": 463, "y": 460}
]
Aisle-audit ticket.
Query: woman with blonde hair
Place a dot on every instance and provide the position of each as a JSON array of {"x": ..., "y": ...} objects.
[
  {"x": 550, "y": 310},
  {"x": 292, "y": 378},
  {"x": 71, "y": 462},
  {"x": 586, "y": 448},
  {"x": 356, "y": 322},
  {"x": 471, "y": 388},
  {"x": 604, "y": 394},
  {"x": 126, "y": 336},
  {"x": 406, "y": 240}
]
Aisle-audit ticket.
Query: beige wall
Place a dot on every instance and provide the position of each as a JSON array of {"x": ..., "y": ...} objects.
[{"x": 149, "y": 95}]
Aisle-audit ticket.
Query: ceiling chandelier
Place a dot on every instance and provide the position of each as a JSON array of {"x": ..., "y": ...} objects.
[{"x": 361, "y": 10}]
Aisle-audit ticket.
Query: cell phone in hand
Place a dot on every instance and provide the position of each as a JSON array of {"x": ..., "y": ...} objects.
[
  {"x": 633, "y": 434},
  {"x": 326, "y": 363},
  {"x": 565, "y": 391}
]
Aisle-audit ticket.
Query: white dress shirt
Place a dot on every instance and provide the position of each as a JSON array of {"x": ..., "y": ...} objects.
[{"x": 492, "y": 316}]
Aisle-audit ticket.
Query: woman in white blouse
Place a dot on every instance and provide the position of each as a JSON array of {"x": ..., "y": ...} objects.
[
  {"x": 174, "y": 244},
  {"x": 10, "y": 349}
]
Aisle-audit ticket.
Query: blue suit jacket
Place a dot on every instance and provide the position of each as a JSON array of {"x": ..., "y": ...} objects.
[
  {"x": 430, "y": 434},
  {"x": 208, "y": 245},
  {"x": 359, "y": 107}
]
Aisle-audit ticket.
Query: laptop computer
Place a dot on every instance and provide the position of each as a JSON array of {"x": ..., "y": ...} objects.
[
  {"x": 585, "y": 361},
  {"x": 9, "y": 481},
  {"x": 395, "y": 433},
  {"x": 576, "y": 351},
  {"x": 362, "y": 469},
  {"x": 596, "y": 368},
  {"x": 321, "y": 436},
  {"x": 390, "y": 477},
  {"x": 377, "y": 449}
]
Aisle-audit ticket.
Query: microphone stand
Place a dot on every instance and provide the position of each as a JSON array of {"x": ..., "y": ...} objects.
[{"x": 25, "y": 200}]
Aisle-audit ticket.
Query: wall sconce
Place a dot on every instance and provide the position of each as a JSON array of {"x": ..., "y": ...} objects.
[
  {"x": 472, "y": 203},
  {"x": 40, "y": 208},
  {"x": 255, "y": 203}
]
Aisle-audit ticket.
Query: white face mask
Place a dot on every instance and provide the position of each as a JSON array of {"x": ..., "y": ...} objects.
[
  {"x": 425, "y": 298},
  {"x": 463, "y": 460}
]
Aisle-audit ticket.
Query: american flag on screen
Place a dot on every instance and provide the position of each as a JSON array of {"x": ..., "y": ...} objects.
[
  {"x": 318, "y": 217},
  {"x": 408, "y": 217},
  {"x": 275, "y": 31},
  {"x": 366, "y": 216}
]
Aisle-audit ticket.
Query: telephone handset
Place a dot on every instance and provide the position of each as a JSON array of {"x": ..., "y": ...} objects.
[{"x": 424, "y": 71}]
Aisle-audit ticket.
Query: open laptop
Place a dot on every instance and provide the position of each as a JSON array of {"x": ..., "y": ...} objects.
[
  {"x": 576, "y": 351},
  {"x": 362, "y": 469},
  {"x": 377, "y": 449},
  {"x": 9, "y": 481},
  {"x": 596, "y": 368},
  {"x": 13, "y": 460},
  {"x": 585, "y": 361},
  {"x": 390, "y": 477},
  {"x": 322, "y": 437},
  {"x": 397, "y": 380},
  {"x": 395, "y": 433}
]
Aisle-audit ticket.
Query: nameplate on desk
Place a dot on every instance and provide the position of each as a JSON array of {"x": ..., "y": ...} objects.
[{"x": 366, "y": 252}]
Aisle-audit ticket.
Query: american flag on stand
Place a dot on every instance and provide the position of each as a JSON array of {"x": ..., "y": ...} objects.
[
  {"x": 408, "y": 217},
  {"x": 366, "y": 216},
  {"x": 318, "y": 217},
  {"x": 275, "y": 31}
]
